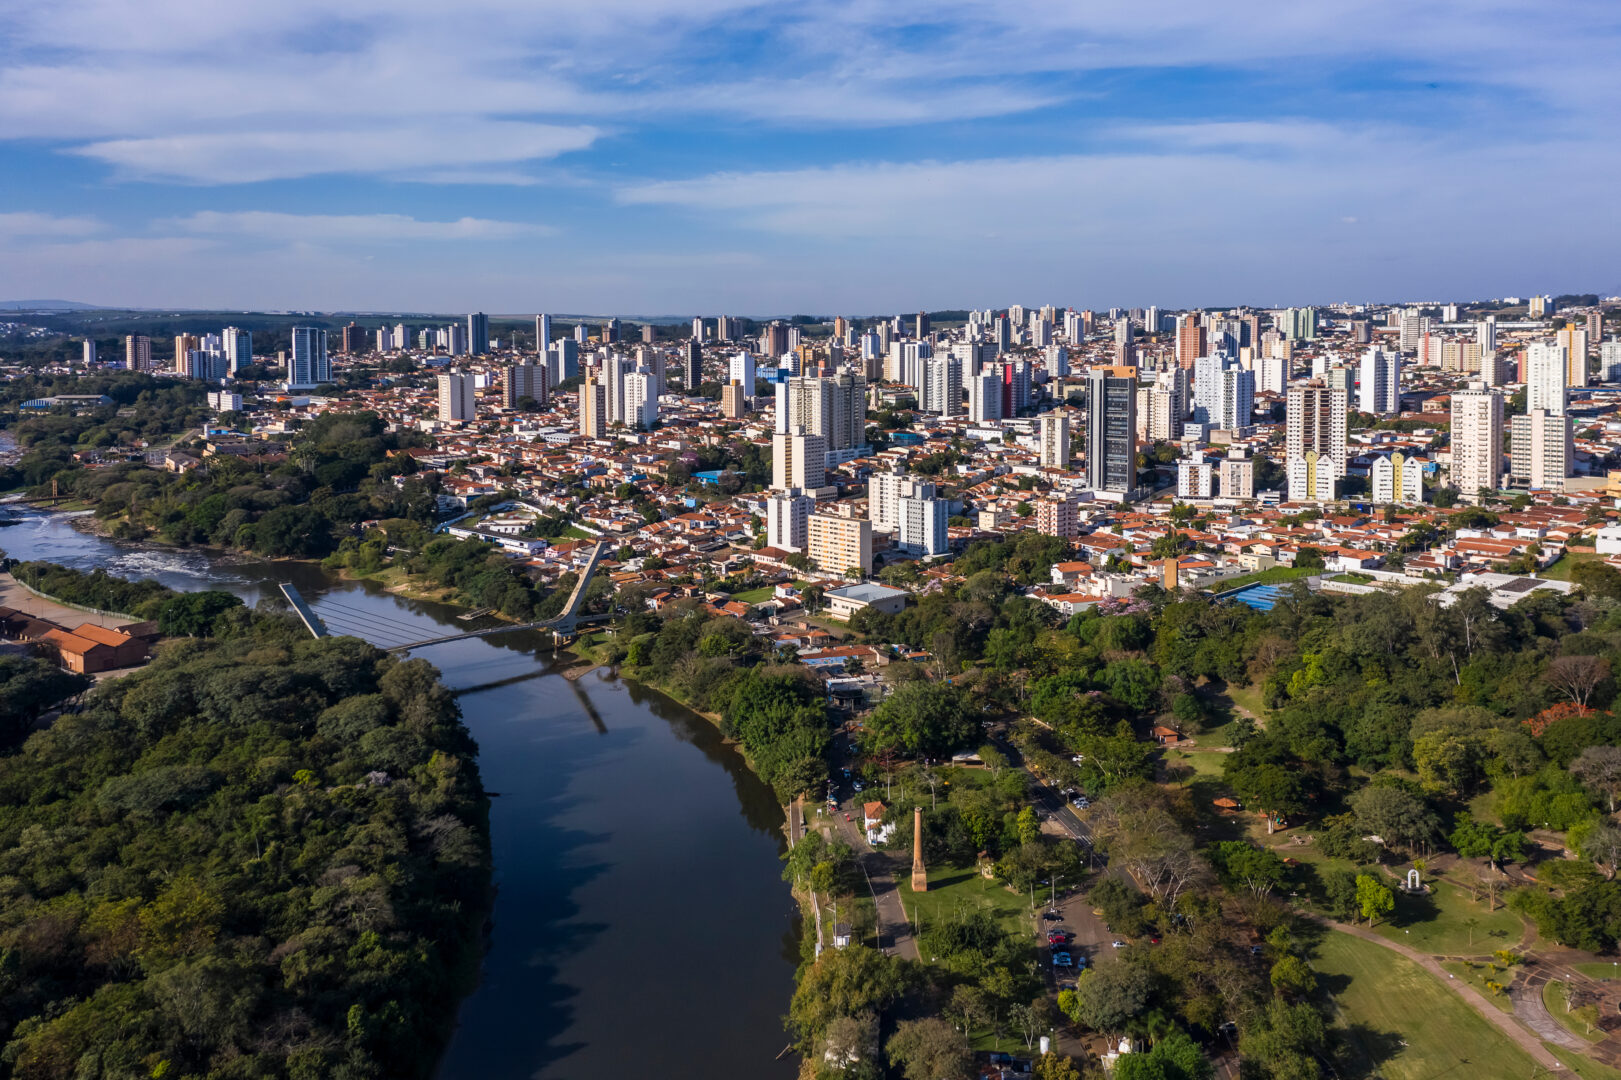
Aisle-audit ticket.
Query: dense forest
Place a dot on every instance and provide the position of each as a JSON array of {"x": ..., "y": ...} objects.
[{"x": 260, "y": 856}]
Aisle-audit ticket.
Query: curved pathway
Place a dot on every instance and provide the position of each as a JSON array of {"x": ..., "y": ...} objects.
[{"x": 1505, "y": 1023}]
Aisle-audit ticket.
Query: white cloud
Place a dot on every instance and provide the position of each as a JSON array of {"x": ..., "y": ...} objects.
[
  {"x": 291, "y": 228},
  {"x": 35, "y": 225},
  {"x": 270, "y": 155}
]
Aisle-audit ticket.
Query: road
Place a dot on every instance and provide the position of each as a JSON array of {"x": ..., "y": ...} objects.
[{"x": 880, "y": 869}]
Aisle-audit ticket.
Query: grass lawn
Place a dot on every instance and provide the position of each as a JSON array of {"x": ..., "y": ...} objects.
[
  {"x": 1478, "y": 975},
  {"x": 1581, "y": 1022},
  {"x": 1599, "y": 971},
  {"x": 754, "y": 596},
  {"x": 1353, "y": 579},
  {"x": 1247, "y": 698},
  {"x": 1437, "y": 923},
  {"x": 1560, "y": 571},
  {"x": 1275, "y": 575},
  {"x": 574, "y": 532},
  {"x": 957, "y": 887},
  {"x": 1203, "y": 764},
  {"x": 1586, "y": 1068},
  {"x": 1399, "y": 1023}
]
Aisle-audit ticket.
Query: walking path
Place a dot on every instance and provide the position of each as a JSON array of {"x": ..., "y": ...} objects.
[
  {"x": 1505, "y": 1023},
  {"x": 894, "y": 929}
]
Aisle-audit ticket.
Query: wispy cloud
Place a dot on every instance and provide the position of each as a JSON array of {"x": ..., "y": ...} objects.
[
  {"x": 45, "y": 226},
  {"x": 291, "y": 228}
]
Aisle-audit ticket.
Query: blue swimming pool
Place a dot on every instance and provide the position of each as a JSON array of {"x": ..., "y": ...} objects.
[{"x": 1259, "y": 597}]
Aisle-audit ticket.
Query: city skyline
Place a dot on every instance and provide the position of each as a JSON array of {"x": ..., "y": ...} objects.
[{"x": 650, "y": 157}]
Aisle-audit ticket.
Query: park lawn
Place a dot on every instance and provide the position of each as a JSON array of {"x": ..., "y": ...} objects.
[
  {"x": 1582, "y": 1022},
  {"x": 954, "y": 887},
  {"x": 754, "y": 596},
  {"x": 1248, "y": 698},
  {"x": 1584, "y": 1067},
  {"x": 1597, "y": 970},
  {"x": 1399, "y": 1023},
  {"x": 1478, "y": 975},
  {"x": 1437, "y": 923}
]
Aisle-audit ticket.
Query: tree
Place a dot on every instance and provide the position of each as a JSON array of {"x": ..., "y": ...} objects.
[
  {"x": 1293, "y": 976},
  {"x": 1395, "y": 815},
  {"x": 1373, "y": 897},
  {"x": 1108, "y": 997},
  {"x": 1053, "y": 1066},
  {"x": 1242, "y": 864},
  {"x": 930, "y": 1049},
  {"x": 1576, "y": 677},
  {"x": 844, "y": 982},
  {"x": 1599, "y": 768},
  {"x": 924, "y": 718},
  {"x": 194, "y": 614},
  {"x": 1174, "y": 1057},
  {"x": 1284, "y": 1041}
]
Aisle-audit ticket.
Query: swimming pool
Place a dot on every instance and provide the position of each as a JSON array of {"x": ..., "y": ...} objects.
[{"x": 1259, "y": 597}]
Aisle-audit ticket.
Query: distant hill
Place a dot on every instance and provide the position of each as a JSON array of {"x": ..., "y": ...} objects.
[{"x": 45, "y": 305}]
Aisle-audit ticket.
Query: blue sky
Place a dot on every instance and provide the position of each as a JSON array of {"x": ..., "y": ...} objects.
[{"x": 675, "y": 156}]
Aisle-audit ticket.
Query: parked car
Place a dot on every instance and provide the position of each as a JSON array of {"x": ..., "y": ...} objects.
[
  {"x": 1063, "y": 960},
  {"x": 1118, "y": 944},
  {"x": 1057, "y": 937},
  {"x": 1051, "y": 916}
]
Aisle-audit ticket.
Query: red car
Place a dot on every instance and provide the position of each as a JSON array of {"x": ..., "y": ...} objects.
[
  {"x": 1058, "y": 937},
  {"x": 846, "y": 817}
]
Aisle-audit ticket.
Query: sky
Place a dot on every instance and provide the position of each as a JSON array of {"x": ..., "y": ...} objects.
[{"x": 667, "y": 157}]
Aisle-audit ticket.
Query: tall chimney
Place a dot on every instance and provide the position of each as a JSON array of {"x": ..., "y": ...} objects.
[{"x": 920, "y": 877}]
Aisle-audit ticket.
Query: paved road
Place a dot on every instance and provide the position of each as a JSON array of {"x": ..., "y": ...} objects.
[{"x": 880, "y": 868}]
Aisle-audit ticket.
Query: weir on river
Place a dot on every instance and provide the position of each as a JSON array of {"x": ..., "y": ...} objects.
[{"x": 642, "y": 927}]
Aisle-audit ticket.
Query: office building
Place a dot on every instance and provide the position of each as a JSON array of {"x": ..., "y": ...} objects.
[
  {"x": 1477, "y": 440},
  {"x": 1397, "y": 479},
  {"x": 1111, "y": 430},
  {"x": 520, "y": 381},
  {"x": 1055, "y": 440},
  {"x": 798, "y": 459},
  {"x": 309, "y": 366},
  {"x": 478, "y": 333},
  {"x": 692, "y": 368},
  {"x": 593, "y": 408},
  {"x": 1546, "y": 368},
  {"x": 1542, "y": 450},
  {"x": 838, "y": 545},
  {"x": 787, "y": 519},
  {"x": 456, "y": 398},
  {"x": 1380, "y": 391}
]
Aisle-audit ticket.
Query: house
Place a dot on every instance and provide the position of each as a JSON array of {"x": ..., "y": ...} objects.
[
  {"x": 1167, "y": 736},
  {"x": 89, "y": 648},
  {"x": 872, "y": 819}
]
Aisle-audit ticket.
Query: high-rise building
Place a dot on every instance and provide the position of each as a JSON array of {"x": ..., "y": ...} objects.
[
  {"x": 237, "y": 347},
  {"x": 1159, "y": 414},
  {"x": 1477, "y": 439},
  {"x": 354, "y": 340},
  {"x": 1111, "y": 430},
  {"x": 920, "y": 328},
  {"x": 612, "y": 331},
  {"x": 593, "y": 408},
  {"x": 582, "y": 333},
  {"x": 543, "y": 333},
  {"x": 1546, "y": 367},
  {"x": 1541, "y": 450},
  {"x": 562, "y": 361},
  {"x": 1271, "y": 374},
  {"x": 1539, "y": 307},
  {"x": 921, "y": 525},
  {"x": 519, "y": 381},
  {"x": 697, "y": 329},
  {"x": 834, "y": 407},
  {"x": 1449, "y": 313},
  {"x": 1595, "y": 326},
  {"x": 456, "y": 340},
  {"x": 734, "y": 402},
  {"x": 1361, "y": 332},
  {"x": 89, "y": 354},
  {"x": 1413, "y": 327},
  {"x": 740, "y": 369},
  {"x": 985, "y": 397},
  {"x": 798, "y": 460},
  {"x": 1397, "y": 479},
  {"x": 1190, "y": 340},
  {"x": 1574, "y": 341},
  {"x": 787, "y": 519},
  {"x": 1486, "y": 334},
  {"x": 1073, "y": 331},
  {"x": 1195, "y": 479},
  {"x": 692, "y": 371},
  {"x": 1609, "y": 359},
  {"x": 1315, "y": 422},
  {"x": 456, "y": 397},
  {"x": 1380, "y": 390},
  {"x": 837, "y": 545},
  {"x": 942, "y": 386},
  {"x": 641, "y": 397},
  {"x": 1055, "y": 440},
  {"x": 478, "y": 333},
  {"x": 649, "y": 335},
  {"x": 1016, "y": 394},
  {"x": 309, "y": 366}
]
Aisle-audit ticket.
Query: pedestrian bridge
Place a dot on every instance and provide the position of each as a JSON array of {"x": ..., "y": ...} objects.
[{"x": 385, "y": 633}]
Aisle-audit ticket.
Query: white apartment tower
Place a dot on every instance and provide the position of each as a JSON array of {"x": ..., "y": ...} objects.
[
  {"x": 1477, "y": 439},
  {"x": 309, "y": 366},
  {"x": 1546, "y": 367},
  {"x": 798, "y": 460},
  {"x": 1380, "y": 389},
  {"x": 1055, "y": 440},
  {"x": 787, "y": 518},
  {"x": 456, "y": 401}
]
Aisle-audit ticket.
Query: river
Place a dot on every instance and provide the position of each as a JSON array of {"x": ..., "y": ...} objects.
[{"x": 641, "y": 927}]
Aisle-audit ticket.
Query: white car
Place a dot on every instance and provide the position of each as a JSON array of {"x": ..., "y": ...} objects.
[{"x": 1118, "y": 944}]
